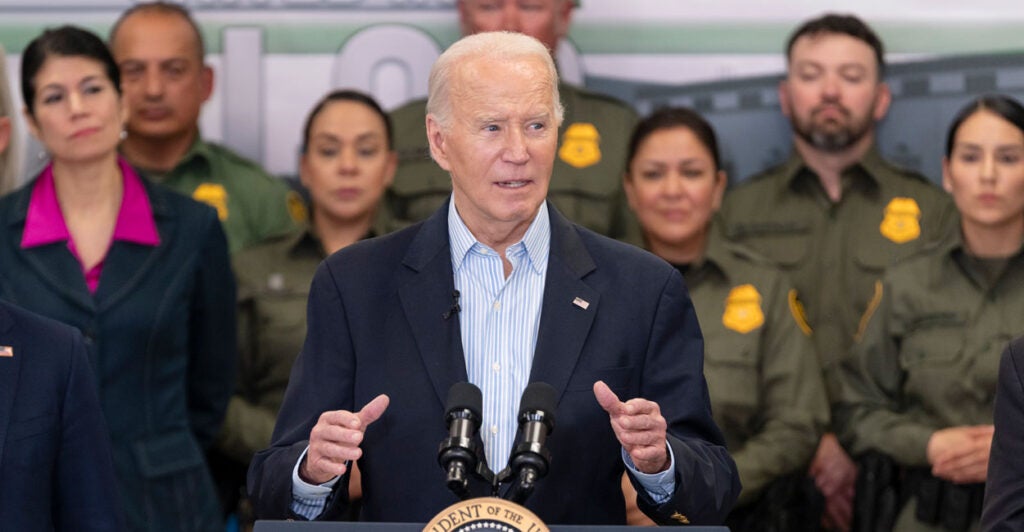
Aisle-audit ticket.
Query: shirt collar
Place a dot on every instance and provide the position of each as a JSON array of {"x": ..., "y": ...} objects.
[
  {"x": 44, "y": 222},
  {"x": 537, "y": 239},
  {"x": 863, "y": 174}
]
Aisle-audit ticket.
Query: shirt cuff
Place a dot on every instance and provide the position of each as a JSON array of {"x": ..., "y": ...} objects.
[
  {"x": 659, "y": 486},
  {"x": 309, "y": 500}
]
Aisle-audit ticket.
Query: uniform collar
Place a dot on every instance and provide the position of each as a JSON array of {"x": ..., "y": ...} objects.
[{"x": 864, "y": 175}]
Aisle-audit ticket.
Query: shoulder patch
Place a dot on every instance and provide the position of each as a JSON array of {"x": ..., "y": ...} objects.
[
  {"x": 581, "y": 145},
  {"x": 296, "y": 207},
  {"x": 796, "y": 308},
  {"x": 902, "y": 220},
  {"x": 743, "y": 309},
  {"x": 214, "y": 195}
]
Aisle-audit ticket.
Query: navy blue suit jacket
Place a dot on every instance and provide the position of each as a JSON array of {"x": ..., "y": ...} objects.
[
  {"x": 56, "y": 470},
  {"x": 376, "y": 326},
  {"x": 160, "y": 335},
  {"x": 1004, "y": 489}
]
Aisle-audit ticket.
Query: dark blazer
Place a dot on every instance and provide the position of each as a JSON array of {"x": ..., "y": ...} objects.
[
  {"x": 1004, "y": 489},
  {"x": 56, "y": 471},
  {"x": 160, "y": 334},
  {"x": 376, "y": 326}
]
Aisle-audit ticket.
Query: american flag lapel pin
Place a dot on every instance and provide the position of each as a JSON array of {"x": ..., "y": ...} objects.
[
  {"x": 581, "y": 303},
  {"x": 6, "y": 351}
]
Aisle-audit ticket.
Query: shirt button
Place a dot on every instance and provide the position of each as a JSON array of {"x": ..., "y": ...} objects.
[
  {"x": 496, "y": 366},
  {"x": 494, "y": 429},
  {"x": 497, "y": 305}
]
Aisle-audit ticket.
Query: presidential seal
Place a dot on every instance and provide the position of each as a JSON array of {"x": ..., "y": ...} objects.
[{"x": 485, "y": 514}]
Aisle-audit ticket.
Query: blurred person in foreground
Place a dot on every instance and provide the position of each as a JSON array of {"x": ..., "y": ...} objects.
[
  {"x": 384, "y": 345},
  {"x": 141, "y": 271}
]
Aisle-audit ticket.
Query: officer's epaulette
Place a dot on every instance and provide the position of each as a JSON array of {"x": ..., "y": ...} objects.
[
  {"x": 228, "y": 153},
  {"x": 903, "y": 170},
  {"x": 588, "y": 94}
]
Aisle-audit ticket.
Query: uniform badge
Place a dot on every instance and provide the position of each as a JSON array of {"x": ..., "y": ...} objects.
[
  {"x": 743, "y": 309},
  {"x": 296, "y": 207},
  {"x": 215, "y": 196},
  {"x": 581, "y": 145},
  {"x": 902, "y": 221},
  {"x": 796, "y": 308}
]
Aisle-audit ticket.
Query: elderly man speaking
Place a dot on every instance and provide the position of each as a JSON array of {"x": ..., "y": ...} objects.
[{"x": 499, "y": 289}]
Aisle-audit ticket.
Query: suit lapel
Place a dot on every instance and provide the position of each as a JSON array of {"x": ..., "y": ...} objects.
[
  {"x": 59, "y": 269},
  {"x": 426, "y": 295},
  {"x": 127, "y": 264},
  {"x": 564, "y": 322},
  {"x": 9, "y": 369}
]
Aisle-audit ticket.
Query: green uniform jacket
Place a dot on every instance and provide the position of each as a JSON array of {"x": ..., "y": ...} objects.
[
  {"x": 586, "y": 184},
  {"x": 835, "y": 252},
  {"x": 252, "y": 205},
  {"x": 273, "y": 285},
  {"x": 766, "y": 388},
  {"x": 929, "y": 357}
]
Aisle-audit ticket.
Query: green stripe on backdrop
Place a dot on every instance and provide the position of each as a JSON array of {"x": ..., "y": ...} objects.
[{"x": 719, "y": 38}]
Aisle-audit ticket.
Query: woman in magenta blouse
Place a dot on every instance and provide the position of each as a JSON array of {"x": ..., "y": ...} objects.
[{"x": 140, "y": 270}]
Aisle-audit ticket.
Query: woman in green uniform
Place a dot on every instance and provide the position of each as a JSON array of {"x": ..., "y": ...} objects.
[
  {"x": 766, "y": 388},
  {"x": 920, "y": 381},
  {"x": 346, "y": 165}
]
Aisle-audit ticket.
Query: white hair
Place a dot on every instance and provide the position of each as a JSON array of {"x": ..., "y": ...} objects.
[{"x": 498, "y": 46}]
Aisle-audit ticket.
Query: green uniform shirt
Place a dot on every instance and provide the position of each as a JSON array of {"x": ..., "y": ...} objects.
[
  {"x": 586, "y": 182},
  {"x": 835, "y": 252},
  {"x": 251, "y": 204},
  {"x": 767, "y": 393},
  {"x": 929, "y": 357},
  {"x": 273, "y": 285}
]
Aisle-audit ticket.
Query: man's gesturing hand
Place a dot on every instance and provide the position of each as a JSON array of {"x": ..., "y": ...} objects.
[
  {"x": 639, "y": 427},
  {"x": 335, "y": 440}
]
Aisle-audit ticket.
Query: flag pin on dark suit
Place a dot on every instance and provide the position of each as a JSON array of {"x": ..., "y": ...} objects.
[
  {"x": 6, "y": 351},
  {"x": 581, "y": 303}
]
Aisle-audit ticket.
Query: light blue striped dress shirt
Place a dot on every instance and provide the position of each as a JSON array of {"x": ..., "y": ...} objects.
[{"x": 499, "y": 321}]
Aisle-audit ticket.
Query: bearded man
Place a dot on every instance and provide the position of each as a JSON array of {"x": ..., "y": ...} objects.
[{"x": 835, "y": 214}]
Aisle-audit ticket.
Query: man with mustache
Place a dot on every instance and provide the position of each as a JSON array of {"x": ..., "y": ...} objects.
[
  {"x": 160, "y": 52},
  {"x": 835, "y": 214}
]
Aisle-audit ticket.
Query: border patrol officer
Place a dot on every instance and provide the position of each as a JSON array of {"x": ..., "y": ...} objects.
[
  {"x": 160, "y": 53},
  {"x": 585, "y": 185},
  {"x": 836, "y": 214},
  {"x": 766, "y": 388},
  {"x": 921, "y": 383}
]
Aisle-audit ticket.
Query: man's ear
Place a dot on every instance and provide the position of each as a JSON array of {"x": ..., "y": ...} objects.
[
  {"x": 784, "y": 98},
  {"x": 436, "y": 138},
  {"x": 882, "y": 101},
  {"x": 206, "y": 79}
]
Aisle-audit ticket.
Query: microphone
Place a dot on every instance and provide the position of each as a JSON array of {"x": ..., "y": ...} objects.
[
  {"x": 455, "y": 308},
  {"x": 530, "y": 458},
  {"x": 459, "y": 451}
]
